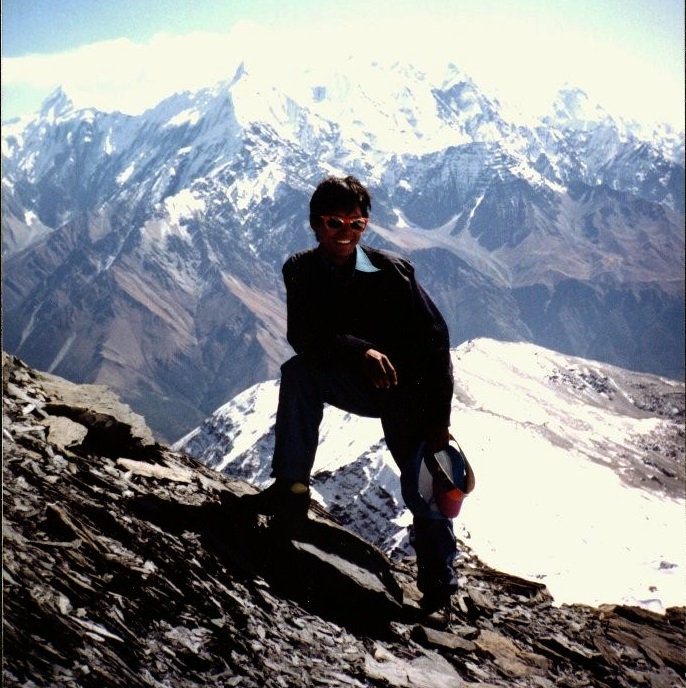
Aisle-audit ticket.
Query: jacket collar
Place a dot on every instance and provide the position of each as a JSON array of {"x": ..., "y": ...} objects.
[{"x": 362, "y": 262}]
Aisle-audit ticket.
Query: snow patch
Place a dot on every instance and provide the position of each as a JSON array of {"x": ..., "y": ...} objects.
[
  {"x": 183, "y": 206},
  {"x": 189, "y": 117},
  {"x": 124, "y": 176}
]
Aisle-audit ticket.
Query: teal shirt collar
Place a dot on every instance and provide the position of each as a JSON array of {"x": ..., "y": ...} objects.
[{"x": 362, "y": 262}]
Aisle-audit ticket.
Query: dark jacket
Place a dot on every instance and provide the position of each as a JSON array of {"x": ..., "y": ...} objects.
[{"x": 336, "y": 314}]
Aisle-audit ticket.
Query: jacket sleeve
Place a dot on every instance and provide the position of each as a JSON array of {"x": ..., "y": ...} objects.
[{"x": 433, "y": 351}]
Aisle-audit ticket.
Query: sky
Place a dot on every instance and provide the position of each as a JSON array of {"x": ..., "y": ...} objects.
[{"x": 127, "y": 54}]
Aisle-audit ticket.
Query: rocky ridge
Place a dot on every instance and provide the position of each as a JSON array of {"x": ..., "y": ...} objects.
[{"x": 128, "y": 564}]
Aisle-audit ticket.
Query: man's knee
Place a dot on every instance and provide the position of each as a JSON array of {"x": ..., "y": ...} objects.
[
  {"x": 292, "y": 365},
  {"x": 296, "y": 368},
  {"x": 300, "y": 379}
]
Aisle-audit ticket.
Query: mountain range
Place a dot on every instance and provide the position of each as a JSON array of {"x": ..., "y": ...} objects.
[{"x": 144, "y": 252}]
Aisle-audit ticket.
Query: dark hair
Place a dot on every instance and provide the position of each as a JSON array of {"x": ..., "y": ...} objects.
[{"x": 338, "y": 193}]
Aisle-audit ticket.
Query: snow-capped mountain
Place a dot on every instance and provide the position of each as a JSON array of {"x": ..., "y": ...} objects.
[
  {"x": 579, "y": 468},
  {"x": 144, "y": 252}
]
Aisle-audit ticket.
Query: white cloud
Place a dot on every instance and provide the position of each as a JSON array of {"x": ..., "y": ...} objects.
[
  {"x": 522, "y": 63},
  {"x": 122, "y": 75}
]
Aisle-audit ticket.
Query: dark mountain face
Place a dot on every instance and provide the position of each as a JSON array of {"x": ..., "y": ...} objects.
[{"x": 145, "y": 252}]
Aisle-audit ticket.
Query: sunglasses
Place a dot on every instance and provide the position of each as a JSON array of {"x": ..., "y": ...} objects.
[{"x": 334, "y": 222}]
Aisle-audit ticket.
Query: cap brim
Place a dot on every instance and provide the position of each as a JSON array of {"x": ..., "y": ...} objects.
[{"x": 469, "y": 479}]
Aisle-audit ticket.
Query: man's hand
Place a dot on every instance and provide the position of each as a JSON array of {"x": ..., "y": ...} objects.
[
  {"x": 379, "y": 369},
  {"x": 437, "y": 438}
]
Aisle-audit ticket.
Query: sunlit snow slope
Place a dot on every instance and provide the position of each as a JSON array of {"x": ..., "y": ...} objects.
[{"x": 579, "y": 466}]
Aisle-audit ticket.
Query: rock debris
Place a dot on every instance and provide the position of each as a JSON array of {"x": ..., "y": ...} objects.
[{"x": 127, "y": 564}]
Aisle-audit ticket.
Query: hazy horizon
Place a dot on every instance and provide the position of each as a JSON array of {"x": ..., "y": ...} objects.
[{"x": 628, "y": 55}]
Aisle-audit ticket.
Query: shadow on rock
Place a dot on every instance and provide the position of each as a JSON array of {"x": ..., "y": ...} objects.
[{"x": 320, "y": 565}]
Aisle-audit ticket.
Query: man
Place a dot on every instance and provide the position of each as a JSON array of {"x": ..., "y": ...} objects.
[{"x": 369, "y": 340}]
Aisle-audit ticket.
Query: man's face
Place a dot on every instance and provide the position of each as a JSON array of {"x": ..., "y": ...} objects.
[{"x": 338, "y": 239}]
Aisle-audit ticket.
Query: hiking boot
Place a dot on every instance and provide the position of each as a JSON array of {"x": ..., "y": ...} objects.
[
  {"x": 437, "y": 598},
  {"x": 282, "y": 498}
]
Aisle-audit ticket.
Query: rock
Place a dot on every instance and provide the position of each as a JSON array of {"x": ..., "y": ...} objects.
[
  {"x": 430, "y": 637},
  {"x": 64, "y": 433},
  {"x": 509, "y": 657},
  {"x": 128, "y": 565},
  {"x": 427, "y": 670}
]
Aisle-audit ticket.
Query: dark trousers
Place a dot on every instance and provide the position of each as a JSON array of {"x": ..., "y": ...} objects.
[{"x": 303, "y": 393}]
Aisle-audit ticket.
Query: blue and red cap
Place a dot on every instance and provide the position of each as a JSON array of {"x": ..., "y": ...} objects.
[{"x": 447, "y": 480}]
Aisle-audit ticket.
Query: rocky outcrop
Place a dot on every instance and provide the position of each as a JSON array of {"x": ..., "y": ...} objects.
[{"x": 127, "y": 564}]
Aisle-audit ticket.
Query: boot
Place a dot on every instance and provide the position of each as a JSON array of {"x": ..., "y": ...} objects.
[
  {"x": 436, "y": 548},
  {"x": 283, "y": 499}
]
